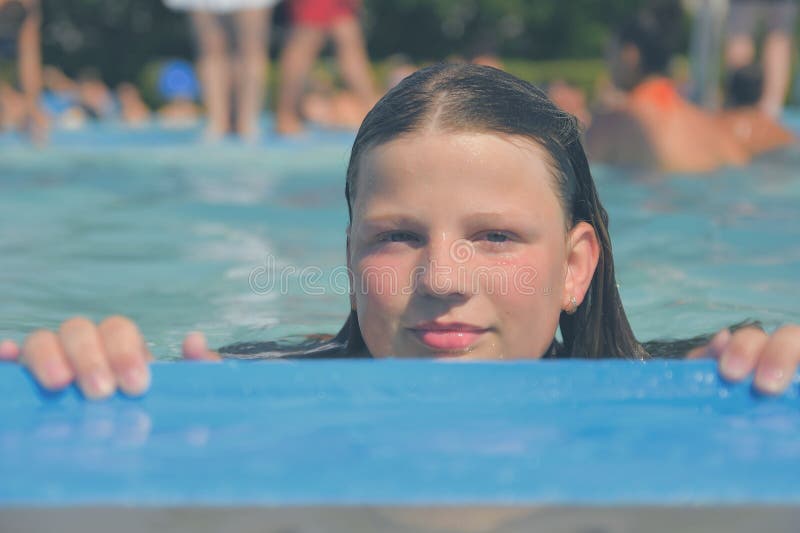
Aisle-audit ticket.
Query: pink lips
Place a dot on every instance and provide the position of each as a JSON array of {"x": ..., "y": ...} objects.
[{"x": 449, "y": 337}]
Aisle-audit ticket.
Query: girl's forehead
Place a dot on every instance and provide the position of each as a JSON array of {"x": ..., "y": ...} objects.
[{"x": 483, "y": 168}]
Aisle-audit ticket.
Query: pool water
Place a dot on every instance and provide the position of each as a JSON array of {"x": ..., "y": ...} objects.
[{"x": 150, "y": 224}]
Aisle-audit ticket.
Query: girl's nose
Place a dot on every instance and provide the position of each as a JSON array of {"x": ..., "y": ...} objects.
[{"x": 443, "y": 270}]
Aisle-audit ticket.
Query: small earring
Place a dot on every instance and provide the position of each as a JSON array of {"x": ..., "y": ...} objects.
[{"x": 573, "y": 305}]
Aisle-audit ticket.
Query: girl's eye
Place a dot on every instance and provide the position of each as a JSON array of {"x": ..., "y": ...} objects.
[
  {"x": 497, "y": 237},
  {"x": 398, "y": 236},
  {"x": 496, "y": 241}
]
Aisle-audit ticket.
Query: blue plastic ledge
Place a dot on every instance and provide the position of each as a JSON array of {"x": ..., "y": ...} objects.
[{"x": 394, "y": 432}]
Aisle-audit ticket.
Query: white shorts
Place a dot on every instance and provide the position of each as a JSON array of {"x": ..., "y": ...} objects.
[{"x": 218, "y": 6}]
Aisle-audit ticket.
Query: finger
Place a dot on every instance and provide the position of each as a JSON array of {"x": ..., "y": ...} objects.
[
  {"x": 83, "y": 349},
  {"x": 778, "y": 361},
  {"x": 713, "y": 349},
  {"x": 43, "y": 355},
  {"x": 195, "y": 348},
  {"x": 740, "y": 356},
  {"x": 126, "y": 353},
  {"x": 9, "y": 351}
]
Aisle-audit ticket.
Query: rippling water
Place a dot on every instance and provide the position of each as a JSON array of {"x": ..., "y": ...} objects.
[{"x": 149, "y": 224}]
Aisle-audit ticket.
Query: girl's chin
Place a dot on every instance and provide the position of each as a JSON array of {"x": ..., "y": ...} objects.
[
  {"x": 476, "y": 352},
  {"x": 449, "y": 357},
  {"x": 439, "y": 356}
]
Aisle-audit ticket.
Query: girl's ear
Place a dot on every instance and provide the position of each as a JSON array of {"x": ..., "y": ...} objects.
[{"x": 583, "y": 253}]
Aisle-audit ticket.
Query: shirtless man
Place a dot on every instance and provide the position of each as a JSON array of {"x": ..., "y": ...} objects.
[
  {"x": 680, "y": 136},
  {"x": 756, "y": 130}
]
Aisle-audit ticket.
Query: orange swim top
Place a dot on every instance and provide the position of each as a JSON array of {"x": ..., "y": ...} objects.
[{"x": 659, "y": 92}]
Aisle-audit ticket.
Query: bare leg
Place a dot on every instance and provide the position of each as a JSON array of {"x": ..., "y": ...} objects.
[
  {"x": 777, "y": 69},
  {"x": 214, "y": 72},
  {"x": 252, "y": 29},
  {"x": 351, "y": 52},
  {"x": 298, "y": 57},
  {"x": 30, "y": 72}
]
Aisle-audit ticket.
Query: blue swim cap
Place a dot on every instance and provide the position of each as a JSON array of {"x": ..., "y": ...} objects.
[{"x": 176, "y": 79}]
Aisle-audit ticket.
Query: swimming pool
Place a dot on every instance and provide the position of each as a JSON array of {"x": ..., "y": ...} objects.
[{"x": 149, "y": 224}]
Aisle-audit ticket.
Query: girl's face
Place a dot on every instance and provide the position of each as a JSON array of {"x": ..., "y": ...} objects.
[{"x": 459, "y": 248}]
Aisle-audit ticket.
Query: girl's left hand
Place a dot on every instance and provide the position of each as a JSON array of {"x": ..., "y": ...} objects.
[{"x": 774, "y": 358}]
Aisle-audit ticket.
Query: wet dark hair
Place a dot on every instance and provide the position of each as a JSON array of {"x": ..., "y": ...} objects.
[
  {"x": 471, "y": 98},
  {"x": 656, "y": 32},
  {"x": 744, "y": 86}
]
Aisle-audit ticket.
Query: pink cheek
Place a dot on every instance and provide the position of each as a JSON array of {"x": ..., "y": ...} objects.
[
  {"x": 515, "y": 278},
  {"x": 382, "y": 280}
]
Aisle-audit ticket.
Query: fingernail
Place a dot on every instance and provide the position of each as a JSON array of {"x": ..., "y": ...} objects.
[
  {"x": 772, "y": 379},
  {"x": 732, "y": 367},
  {"x": 8, "y": 350},
  {"x": 135, "y": 380},
  {"x": 194, "y": 345},
  {"x": 99, "y": 384},
  {"x": 55, "y": 375}
]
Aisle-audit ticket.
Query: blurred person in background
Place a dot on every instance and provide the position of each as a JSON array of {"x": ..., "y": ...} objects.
[
  {"x": 313, "y": 23},
  {"x": 179, "y": 88},
  {"x": 61, "y": 99},
  {"x": 239, "y": 77},
  {"x": 399, "y": 68},
  {"x": 488, "y": 60},
  {"x": 330, "y": 106},
  {"x": 757, "y": 131},
  {"x": 95, "y": 97},
  {"x": 325, "y": 104},
  {"x": 779, "y": 17},
  {"x": 70, "y": 104},
  {"x": 133, "y": 111},
  {"x": 12, "y": 108},
  {"x": 680, "y": 136},
  {"x": 572, "y": 100},
  {"x": 20, "y": 40}
]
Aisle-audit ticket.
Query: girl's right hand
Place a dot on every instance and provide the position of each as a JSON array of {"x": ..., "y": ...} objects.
[{"x": 100, "y": 358}]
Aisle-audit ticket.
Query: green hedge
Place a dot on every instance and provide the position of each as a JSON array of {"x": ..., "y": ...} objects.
[{"x": 583, "y": 73}]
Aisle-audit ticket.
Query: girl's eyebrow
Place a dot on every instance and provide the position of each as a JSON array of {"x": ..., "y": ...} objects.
[
  {"x": 488, "y": 218},
  {"x": 498, "y": 217},
  {"x": 390, "y": 219}
]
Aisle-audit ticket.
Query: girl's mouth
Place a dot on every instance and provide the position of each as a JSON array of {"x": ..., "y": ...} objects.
[{"x": 448, "y": 337}]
